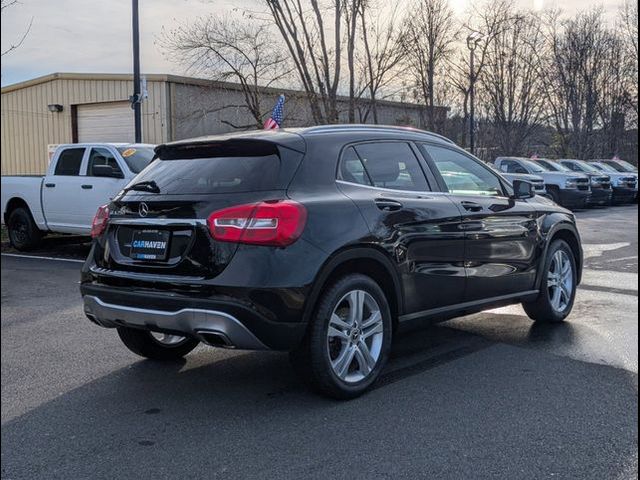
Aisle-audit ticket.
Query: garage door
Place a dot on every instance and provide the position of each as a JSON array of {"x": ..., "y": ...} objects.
[{"x": 105, "y": 122}]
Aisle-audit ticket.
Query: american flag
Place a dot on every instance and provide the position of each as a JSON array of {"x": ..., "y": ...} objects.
[{"x": 276, "y": 116}]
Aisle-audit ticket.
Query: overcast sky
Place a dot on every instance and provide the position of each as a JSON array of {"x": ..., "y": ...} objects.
[{"x": 95, "y": 36}]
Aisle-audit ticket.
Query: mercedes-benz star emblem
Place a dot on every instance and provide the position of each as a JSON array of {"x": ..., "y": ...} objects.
[{"x": 143, "y": 209}]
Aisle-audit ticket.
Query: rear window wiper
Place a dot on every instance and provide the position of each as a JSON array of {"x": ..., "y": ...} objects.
[{"x": 146, "y": 186}]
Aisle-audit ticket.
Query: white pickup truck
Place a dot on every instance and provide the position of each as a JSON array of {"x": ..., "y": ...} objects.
[{"x": 80, "y": 178}]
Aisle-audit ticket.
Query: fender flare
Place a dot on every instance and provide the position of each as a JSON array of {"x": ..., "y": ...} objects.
[
  {"x": 553, "y": 231},
  {"x": 356, "y": 252}
]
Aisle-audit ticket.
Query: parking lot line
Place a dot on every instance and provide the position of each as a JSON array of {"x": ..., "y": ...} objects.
[{"x": 17, "y": 255}]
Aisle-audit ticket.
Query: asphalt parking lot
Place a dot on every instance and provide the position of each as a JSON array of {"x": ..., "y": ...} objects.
[{"x": 484, "y": 396}]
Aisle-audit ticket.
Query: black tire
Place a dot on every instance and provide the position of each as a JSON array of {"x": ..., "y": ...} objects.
[
  {"x": 554, "y": 194},
  {"x": 24, "y": 235},
  {"x": 312, "y": 359},
  {"x": 541, "y": 309},
  {"x": 142, "y": 343}
]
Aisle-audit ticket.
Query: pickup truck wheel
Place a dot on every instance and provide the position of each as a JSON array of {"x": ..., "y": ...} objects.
[
  {"x": 349, "y": 339},
  {"x": 156, "y": 346},
  {"x": 554, "y": 194},
  {"x": 558, "y": 288},
  {"x": 23, "y": 232}
]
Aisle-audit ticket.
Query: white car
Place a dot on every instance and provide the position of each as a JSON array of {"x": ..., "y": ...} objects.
[{"x": 80, "y": 178}]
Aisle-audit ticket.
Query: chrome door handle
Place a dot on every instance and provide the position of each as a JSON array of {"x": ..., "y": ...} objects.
[
  {"x": 471, "y": 206},
  {"x": 387, "y": 205}
]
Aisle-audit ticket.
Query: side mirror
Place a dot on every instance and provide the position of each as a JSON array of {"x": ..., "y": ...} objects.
[
  {"x": 523, "y": 190},
  {"x": 106, "y": 171}
]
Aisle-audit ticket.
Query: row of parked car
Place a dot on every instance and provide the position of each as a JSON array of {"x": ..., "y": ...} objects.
[
  {"x": 575, "y": 184},
  {"x": 82, "y": 177}
]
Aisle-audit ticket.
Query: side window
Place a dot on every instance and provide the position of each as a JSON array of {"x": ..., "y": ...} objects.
[
  {"x": 101, "y": 156},
  {"x": 69, "y": 162},
  {"x": 392, "y": 165},
  {"x": 351, "y": 168},
  {"x": 462, "y": 174}
]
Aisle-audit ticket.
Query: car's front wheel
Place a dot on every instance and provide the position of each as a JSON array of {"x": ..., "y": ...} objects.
[
  {"x": 156, "y": 346},
  {"x": 349, "y": 338},
  {"x": 558, "y": 287}
]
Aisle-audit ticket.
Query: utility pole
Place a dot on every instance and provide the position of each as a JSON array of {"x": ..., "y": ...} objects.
[
  {"x": 472, "y": 43},
  {"x": 136, "y": 99}
]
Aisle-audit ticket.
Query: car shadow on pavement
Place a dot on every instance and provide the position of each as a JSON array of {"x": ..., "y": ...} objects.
[
  {"x": 487, "y": 410},
  {"x": 63, "y": 246}
]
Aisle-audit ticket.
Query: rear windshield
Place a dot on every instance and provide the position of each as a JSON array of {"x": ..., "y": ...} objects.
[{"x": 247, "y": 166}]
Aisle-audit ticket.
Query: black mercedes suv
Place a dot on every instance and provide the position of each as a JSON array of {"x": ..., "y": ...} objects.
[{"x": 321, "y": 241}]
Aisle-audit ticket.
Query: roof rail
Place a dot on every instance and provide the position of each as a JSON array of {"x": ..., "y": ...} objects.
[{"x": 361, "y": 126}]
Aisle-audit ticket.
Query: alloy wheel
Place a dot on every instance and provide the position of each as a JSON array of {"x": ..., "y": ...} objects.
[
  {"x": 560, "y": 281},
  {"x": 354, "y": 336}
]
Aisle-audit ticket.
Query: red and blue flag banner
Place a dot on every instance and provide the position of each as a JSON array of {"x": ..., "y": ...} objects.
[{"x": 275, "y": 120}]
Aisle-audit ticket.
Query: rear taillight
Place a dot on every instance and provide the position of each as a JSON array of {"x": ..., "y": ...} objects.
[
  {"x": 99, "y": 224},
  {"x": 277, "y": 223}
]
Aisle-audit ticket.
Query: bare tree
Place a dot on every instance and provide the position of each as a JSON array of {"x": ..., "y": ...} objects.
[
  {"x": 379, "y": 57},
  {"x": 489, "y": 18},
  {"x": 313, "y": 33},
  {"x": 628, "y": 28},
  {"x": 629, "y": 17},
  {"x": 10, "y": 3},
  {"x": 511, "y": 83},
  {"x": 613, "y": 95},
  {"x": 570, "y": 69},
  {"x": 352, "y": 10},
  {"x": 227, "y": 48},
  {"x": 428, "y": 42}
]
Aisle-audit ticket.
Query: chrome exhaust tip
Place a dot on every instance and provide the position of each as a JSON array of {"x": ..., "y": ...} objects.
[{"x": 215, "y": 339}]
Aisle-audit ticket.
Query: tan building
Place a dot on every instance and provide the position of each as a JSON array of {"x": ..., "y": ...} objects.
[{"x": 87, "y": 107}]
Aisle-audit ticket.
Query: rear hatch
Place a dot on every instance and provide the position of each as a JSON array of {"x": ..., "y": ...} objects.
[{"x": 159, "y": 225}]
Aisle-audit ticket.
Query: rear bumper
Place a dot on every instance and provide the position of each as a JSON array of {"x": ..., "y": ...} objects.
[
  {"x": 574, "y": 198},
  {"x": 216, "y": 320},
  {"x": 208, "y": 326}
]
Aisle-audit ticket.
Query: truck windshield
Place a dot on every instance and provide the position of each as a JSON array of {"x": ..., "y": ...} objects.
[
  {"x": 554, "y": 166},
  {"x": 533, "y": 166},
  {"x": 603, "y": 167},
  {"x": 137, "y": 157},
  {"x": 587, "y": 167},
  {"x": 624, "y": 166}
]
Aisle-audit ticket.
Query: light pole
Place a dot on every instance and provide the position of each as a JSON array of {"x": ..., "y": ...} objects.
[
  {"x": 136, "y": 98},
  {"x": 472, "y": 42}
]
